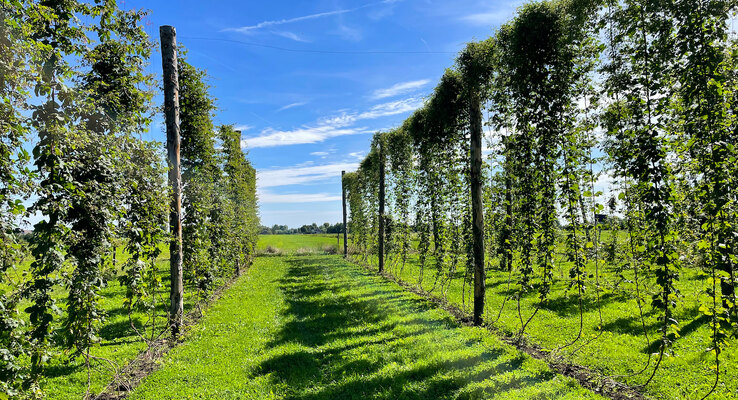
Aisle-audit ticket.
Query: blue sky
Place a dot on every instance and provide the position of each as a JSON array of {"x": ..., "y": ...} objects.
[{"x": 308, "y": 82}]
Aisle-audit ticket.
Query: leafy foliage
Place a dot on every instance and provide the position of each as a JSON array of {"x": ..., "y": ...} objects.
[
  {"x": 641, "y": 92},
  {"x": 73, "y": 73}
]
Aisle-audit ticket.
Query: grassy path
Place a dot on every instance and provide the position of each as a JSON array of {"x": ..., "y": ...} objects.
[{"x": 319, "y": 328}]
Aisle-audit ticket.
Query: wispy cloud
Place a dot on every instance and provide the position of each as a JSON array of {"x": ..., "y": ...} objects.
[
  {"x": 305, "y": 135},
  {"x": 398, "y": 89},
  {"x": 265, "y": 24},
  {"x": 285, "y": 21},
  {"x": 490, "y": 17},
  {"x": 292, "y": 105},
  {"x": 301, "y": 175},
  {"x": 357, "y": 155},
  {"x": 426, "y": 44},
  {"x": 348, "y": 33},
  {"x": 291, "y": 36},
  {"x": 242, "y": 128},
  {"x": 340, "y": 125},
  {"x": 392, "y": 108},
  {"x": 267, "y": 197}
]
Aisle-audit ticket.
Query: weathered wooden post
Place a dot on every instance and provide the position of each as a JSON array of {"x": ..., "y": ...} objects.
[
  {"x": 167, "y": 35},
  {"x": 475, "y": 122},
  {"x": 345, "y": 226},
  {"x": 244, "y": 252},
  {"x": 381, "y": 208}
]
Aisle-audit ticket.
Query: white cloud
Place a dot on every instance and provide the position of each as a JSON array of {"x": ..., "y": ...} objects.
[
  {"x": 297, "y": 217},
  {"x": 398, "y": 89},
  {"x": 264, "y": 24},
  {"x": 319, "y": 153},
  {"x": 305, "y": 135},
  {"x": 426, "y": 44},
  {"x": 301, "y": 175},
  {"x": 348, "y": 33},
  {"x": 266, "y": 197},
  {"x": 357, "y": 155},
  {"x": 242, "y": 128},
  {"x": 292, "y": 105},
  {"x": 392, "y": 108},
  {"x": 606, "y": 182},
  {"x": 327, "y": 128},
  {"x": 291, "y": 36},
  {"x": 491, "y": 17}
]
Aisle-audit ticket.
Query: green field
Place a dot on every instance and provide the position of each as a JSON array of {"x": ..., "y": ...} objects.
[
  {"x": 317, "y": 327},
  {"x": 291, "y": 244}
]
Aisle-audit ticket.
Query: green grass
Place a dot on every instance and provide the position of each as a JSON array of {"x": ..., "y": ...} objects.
[
  {"x": 66, "y": 375},
  {"x": 317, "y": 327},
  {"x": 290, "y": 244},
  {"x": 313, "y": 327},
  {"x": 687, "y": 372}
]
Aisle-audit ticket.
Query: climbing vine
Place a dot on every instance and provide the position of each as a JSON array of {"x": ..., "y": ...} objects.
[
  {"x": 199, "y": 175},
  {"x": 640, "y": 96},
  {"x": 75, "y": 90}
]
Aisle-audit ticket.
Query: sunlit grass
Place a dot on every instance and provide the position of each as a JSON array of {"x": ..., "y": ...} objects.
[
  {"x": 291, "y": 244},
  {"x": 317, "y": 327},
  {"x": 619, "y": 347},
  {"x": 66, "y": 375}
]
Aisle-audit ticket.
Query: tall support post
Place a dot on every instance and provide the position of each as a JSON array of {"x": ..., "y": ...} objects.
[
  {"x": 345, "y": 225},
  {"x": 381, "y": 208},
  {"x": 171, "y": 114},
  {"x": 475, "y": 117},
  {"x": 238, "y": 259}
]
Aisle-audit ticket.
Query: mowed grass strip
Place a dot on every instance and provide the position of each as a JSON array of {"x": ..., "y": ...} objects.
[
  {"x": 316, "y": 327},
  {"x": 291, "y": 244}
]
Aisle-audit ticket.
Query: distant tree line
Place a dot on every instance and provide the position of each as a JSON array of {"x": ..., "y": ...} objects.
[{"x": 305, "y": 229}]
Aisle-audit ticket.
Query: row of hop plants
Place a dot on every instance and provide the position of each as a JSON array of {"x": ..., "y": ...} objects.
[
  {"x": 75, "y": 89},
  {"x": 574, "y": 91}
]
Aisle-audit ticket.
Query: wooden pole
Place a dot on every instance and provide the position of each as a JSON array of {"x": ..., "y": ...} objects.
[
  {"x": 475, "y": 116},
  {"x": 345, "y": 226},
  {"x": 244, "y": 253},
  {"x": 381, "y": 209},
  {"x": 171, "y": 114}
]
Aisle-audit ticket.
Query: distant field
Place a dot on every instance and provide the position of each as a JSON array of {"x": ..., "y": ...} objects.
[{"x": 290, "y": 244}]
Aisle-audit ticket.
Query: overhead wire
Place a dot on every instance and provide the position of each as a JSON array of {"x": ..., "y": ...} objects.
[{"x": 313, "y": 51}]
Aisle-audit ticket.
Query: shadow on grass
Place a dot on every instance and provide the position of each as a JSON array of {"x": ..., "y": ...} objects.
[
  {"x": 632, "y": 325},
  {"x": 684, "y": 331},
  {"x": 567, "y": 306},
  {"x": 350, "y": 336}
]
